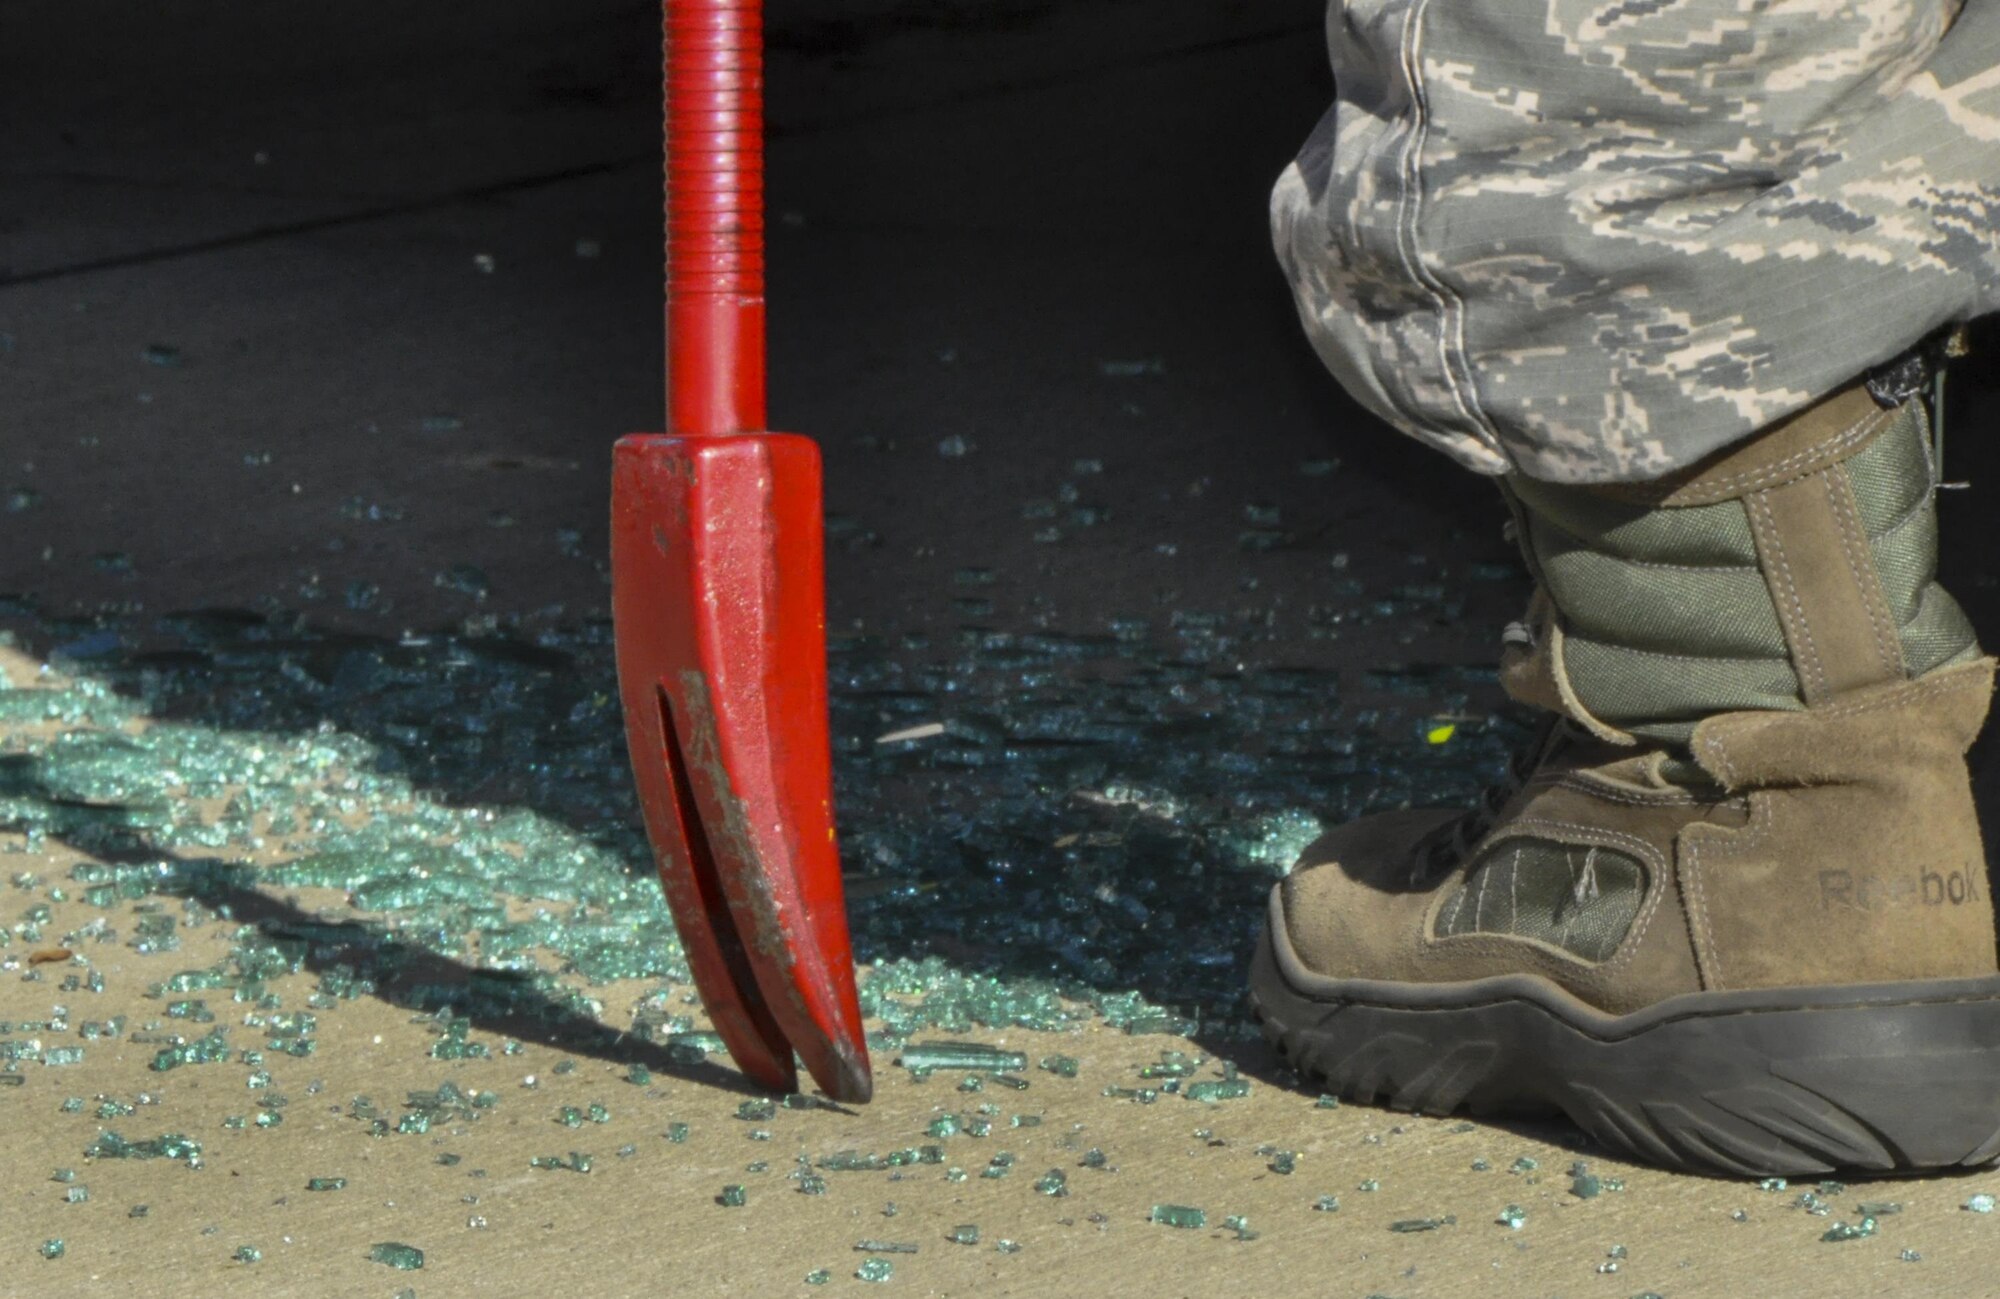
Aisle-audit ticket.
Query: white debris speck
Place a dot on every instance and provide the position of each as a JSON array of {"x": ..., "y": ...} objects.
[{"x": 924, "y": 732}]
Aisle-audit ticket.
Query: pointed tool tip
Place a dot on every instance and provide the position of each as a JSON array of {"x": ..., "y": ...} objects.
[{"x": 845, "y": 1076}]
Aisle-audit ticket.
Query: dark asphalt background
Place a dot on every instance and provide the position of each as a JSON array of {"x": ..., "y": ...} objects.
[{"x": 308, "y": 309}]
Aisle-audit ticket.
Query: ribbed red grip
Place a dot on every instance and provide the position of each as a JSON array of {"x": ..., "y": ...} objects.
[{"x": 715, "y": 215}]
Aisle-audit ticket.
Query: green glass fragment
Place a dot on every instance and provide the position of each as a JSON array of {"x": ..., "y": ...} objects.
[
  {"x": 326, "y": 1183},
  {"x": 172, "y": 1145},
  {"x": 53, "y": 1247},
  {"x": 1240, "y": 1225},
  {"x": 395, "y": 1254},
  {"x": 1980, "y": 1202},
  {"x": 1178, "y": 1215},
  {"x": 1513, "y": 1217},
  {"x": 1422, "y": 1224},
  {"x": 923, "y": 1057},
  {"x": 818, "y": 1276},
  {"x": 967, "y": 1234},
  {"x": 1209, "y": 1091},
  {"x": 1841, "y": 1231},
  {"x": 1053, "y": 1183},
  {"x": 875, "y": 1269},
  {"x": 1063, "y": 1066},
  {"x": 1284, "y": 1162},
  {"x": 884, "y": 1247},
  {"x": 248, "y": 1254},
  {"x": 733, "y": 1196},
  {"x": 692, "y": 1047},
  {"x": 209, "y": 1049}
]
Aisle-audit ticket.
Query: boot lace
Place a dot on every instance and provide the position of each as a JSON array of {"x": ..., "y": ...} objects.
[{"x": 1443, "y": 848}]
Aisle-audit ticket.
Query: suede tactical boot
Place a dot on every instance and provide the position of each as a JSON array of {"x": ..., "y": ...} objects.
[{"x": 1731, "y": 911}]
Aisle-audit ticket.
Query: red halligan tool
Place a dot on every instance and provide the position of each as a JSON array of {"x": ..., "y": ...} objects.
[{"x": 718, "y": 594}]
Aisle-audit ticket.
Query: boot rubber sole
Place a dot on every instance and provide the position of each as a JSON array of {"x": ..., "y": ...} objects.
[{"x": 1881, "y": 1078}]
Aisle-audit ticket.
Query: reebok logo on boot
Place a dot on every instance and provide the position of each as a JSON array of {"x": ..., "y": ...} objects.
[{"x": 1866, "y": 892}]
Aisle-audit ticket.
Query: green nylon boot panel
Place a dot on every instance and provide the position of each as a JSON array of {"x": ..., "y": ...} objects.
[
  {"x": 1581, "y": 898},
  {"x": 1675, "y": 612}
]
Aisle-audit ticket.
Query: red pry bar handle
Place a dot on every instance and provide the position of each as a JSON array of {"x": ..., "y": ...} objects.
[
  {"x": 715, "y": 216},
  {"x": 718, "y": 593}
]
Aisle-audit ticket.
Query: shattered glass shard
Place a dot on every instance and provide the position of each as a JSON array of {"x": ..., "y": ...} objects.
[
  {"x": 923, "y": 1057},
  {"x": 1422, "y": 1224},
  {"x": 395, "y": 1254}
]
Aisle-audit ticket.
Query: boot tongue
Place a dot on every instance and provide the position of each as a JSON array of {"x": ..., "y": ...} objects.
[{"x": 1532, "y": 671}]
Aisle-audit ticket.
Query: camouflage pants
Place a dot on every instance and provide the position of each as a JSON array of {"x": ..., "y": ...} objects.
[{"x": 1595, "y": 240}]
